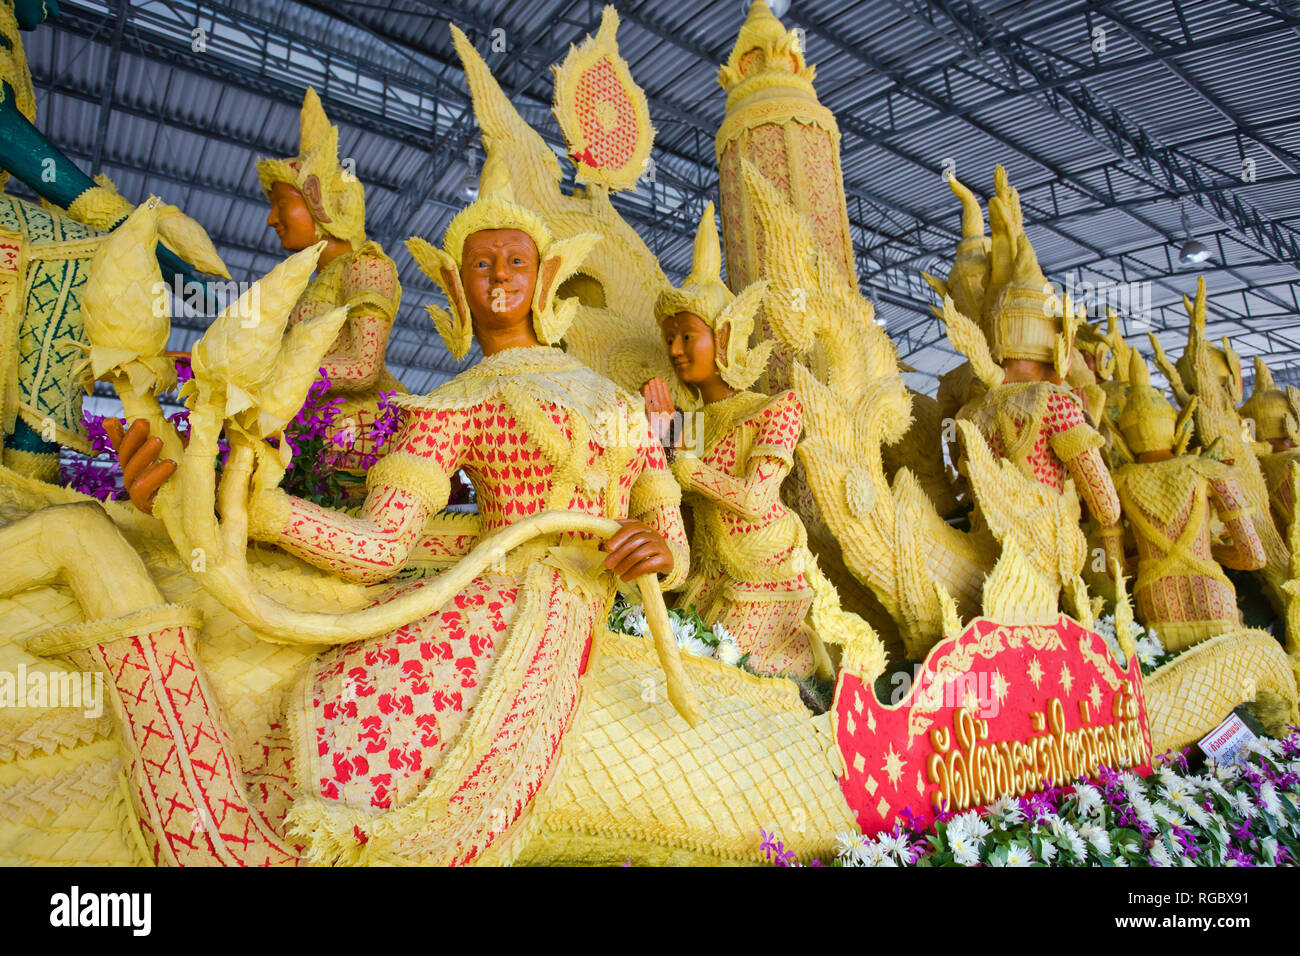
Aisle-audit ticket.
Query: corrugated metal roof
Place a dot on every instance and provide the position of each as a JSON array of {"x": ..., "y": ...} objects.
[{"x": 1182, "y": 89}]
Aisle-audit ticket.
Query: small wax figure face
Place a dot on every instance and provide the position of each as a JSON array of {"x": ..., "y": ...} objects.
[
  {"x": 1281, "y": 444},
  {"x": 291, "y": 219},
  {"x": 692, "y": 348},
  {"x": 498, "y": 269},
  {"x": 1029, "y": 370}
]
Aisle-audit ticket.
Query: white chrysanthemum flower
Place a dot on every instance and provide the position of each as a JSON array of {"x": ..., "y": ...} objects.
[
  {"x": 722, "y": 634},
  {"x": 1268, "y": 846},
  {"x": 1177, "y": 794},
  {"x": 1213, "y": 785},
  {"x": 1000, "y": 806},
  {"x": 972, "y": 824},
  {"x": 874, "y": 853},
  {"x": 1064, "y": 830},
  {"x": 1258, "y": 746},
  {"x": 1200, "y": 816},
  {"x": 1007, "y": 811},
  {"x": 1120, "y": 861},
  {"x": 729, "y": 653},
  {"x": 1159, "y": 855},
  {"x": 897, "y": 846},
  {"x": 1097, "y": 836},
  {"x": 635, "y": 621},
  {"x": 1148, "y": 652},
  {"x": 1226, "y": 771},
  {"x": 1167, "y": 775},
  {"x": 1105, "y": 626},
  {"x": 682, "y": 630},
  {"x": 1166, "y": 812},
  {"x": 960, "y": 844},
  {"x": 968, "y": 857},
  {"x": 1245, "y": 807},
  {"x": 1047, "y": 851},
  {"x": 1088, "y": 799},
  {"x": 847, "y": 843},
  {"x": 693, "y": 645},
  {"x": 1268, "y": 799},
  {"x": 1018, "y": 855}
]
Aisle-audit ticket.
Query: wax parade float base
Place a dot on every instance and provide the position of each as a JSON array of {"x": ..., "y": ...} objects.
[{"x": 634, "y": 781}]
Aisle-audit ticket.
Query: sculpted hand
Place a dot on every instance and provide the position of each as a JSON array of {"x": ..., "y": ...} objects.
[
  {"x": 637, "y": 549},
  {"x": 142, "y": 472},
  {"x": 659, "y": 408}
]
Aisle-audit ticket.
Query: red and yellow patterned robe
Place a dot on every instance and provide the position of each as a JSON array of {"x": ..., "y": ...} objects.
[
  {"x": 457, "y": 716},
  {"x": 750, "y": 551}
]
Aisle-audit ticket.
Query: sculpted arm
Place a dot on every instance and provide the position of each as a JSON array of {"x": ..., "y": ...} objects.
[
  {"x": 406, "y": 487},
  {"x": 370, "y": 290},
  {"x": 770, "y": 459},
  {"x": 656, "y": 500},
  {"x": 1247, "y": 551},
  {"x": 750, "y": 497},
  {"x": 1079, "y": 446}
]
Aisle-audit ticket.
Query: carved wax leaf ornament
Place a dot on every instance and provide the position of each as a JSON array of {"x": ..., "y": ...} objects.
[{"x": 602, "y": 112}]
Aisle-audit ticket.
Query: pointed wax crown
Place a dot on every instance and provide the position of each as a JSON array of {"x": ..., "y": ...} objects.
[
  {"x": 1148, "y": 422},
  {"x": 495, "y": 208},
  {"x": 334, "y": 195},
  {"x": 1024, "y": 321},
  {"x": 1272, "y": 409},
  {"x": 705, "y": 295},
  {"x": 764, "y": 45}
]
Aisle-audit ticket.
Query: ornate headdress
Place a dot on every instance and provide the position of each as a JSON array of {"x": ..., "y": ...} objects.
[
  {"x": 496, "y": 209},
  {"x": 1225, "y": 364},
  {"x": 333, "y": 194},
  {"x": 1276, "y": 412},
  {"x": 1024, "y": 318},
  {"x": 1007, "y": 297},
  {"x": 1148, "y": 421},
  {"x": 969, "y": 276},
  {"x": 706, "y": 295}
]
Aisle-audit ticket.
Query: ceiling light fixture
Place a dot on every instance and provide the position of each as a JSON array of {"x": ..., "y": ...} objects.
[{"x": 1193, "y": 251}]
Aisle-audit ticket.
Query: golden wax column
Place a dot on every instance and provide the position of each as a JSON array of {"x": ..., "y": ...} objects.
[{"x": 775, "y": 121}]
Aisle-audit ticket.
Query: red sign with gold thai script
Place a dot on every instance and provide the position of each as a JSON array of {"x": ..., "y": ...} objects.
[{"x": 1002, "y": 710}]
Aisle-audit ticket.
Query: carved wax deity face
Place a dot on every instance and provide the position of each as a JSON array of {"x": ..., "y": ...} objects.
[
  {"x": 1029, "y": 370},
  {"x": 1281, "y": 444},
  {"x": 291, "y": 219},
  {"x": 498, "y": 268},
  {"x": 691, "y": 348}
]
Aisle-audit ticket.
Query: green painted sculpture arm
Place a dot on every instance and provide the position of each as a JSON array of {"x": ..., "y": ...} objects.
[{"x": 33, "y": 160}]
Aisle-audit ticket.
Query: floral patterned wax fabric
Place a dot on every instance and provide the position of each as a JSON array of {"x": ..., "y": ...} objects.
[
  {"x": 750, "y": 550},
  {"x": 462, "y": 711}
]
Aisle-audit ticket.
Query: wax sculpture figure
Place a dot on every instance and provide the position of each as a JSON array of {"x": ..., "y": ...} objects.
[
  {"x": 314, "y": 198},
  {"x": 1168, "y": 498},
  {"x": 752, "y": 571},
  {"x": 397, "y": 724}
]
